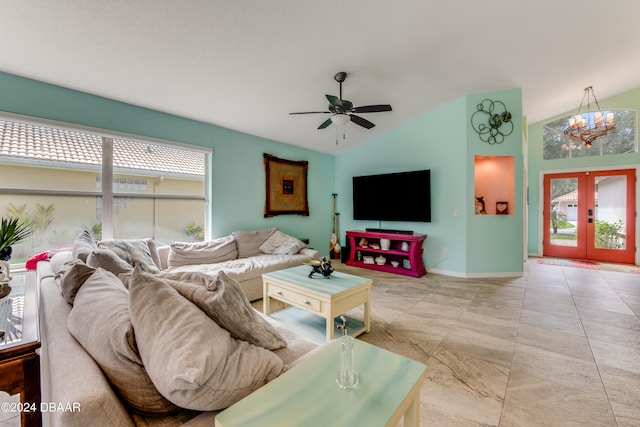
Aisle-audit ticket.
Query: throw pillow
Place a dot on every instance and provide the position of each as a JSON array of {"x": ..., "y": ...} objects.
[
  {"x": 213, "y": 251},
  {"x": 101, "y": 323},
  {"x": 153, "y": 249},
  {"x": 249, "y": 242},
  {"x": 192, "y": 361},
  {"x": 73, "y": 277},
  {"x": 108, "y": 260},
  {"x": 224, "y": 301},
  {"x": 59, "y": 259},
  {"x": 280, "y": 243},
  {"x": 83, "y": 245},
  {"x": 135, "y": 252}
]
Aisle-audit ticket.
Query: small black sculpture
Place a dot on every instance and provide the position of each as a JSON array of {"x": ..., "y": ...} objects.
[{"x": 321, "y": 267}]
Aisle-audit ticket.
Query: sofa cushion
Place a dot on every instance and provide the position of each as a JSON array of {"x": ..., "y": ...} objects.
[
  {"x": 193, "y": 362},
  {"x": 108, "y": 260},
  {"x": 101, "y": 323},
  {"x": 73, "y": 277},
  {"x": 59, "y": 259},
  {"x": 223, "y": 300},
  {"x": 280, "y": 243},
  {"x": 212, "y": 251},
  {"x": 135, "y": 252},
  {"x": 249, "y": 242},
  {"x": 83, "y": 245}
]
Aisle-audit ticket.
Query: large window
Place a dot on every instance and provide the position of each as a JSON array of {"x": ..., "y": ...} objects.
[
  {"x": 622, "y": 140},
  {"x": 65, "y": 180}
]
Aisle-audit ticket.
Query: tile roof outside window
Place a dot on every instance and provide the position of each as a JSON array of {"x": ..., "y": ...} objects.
[{"x": 26, "y": 141}]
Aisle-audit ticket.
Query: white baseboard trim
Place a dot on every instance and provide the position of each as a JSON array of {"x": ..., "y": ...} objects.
[{"x": 475, "y": 275}]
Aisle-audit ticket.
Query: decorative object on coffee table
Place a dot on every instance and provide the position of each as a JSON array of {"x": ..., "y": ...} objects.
[
  {"x": 322, "y": 267},
  {"x": 5, "y": 277},
  {"x": 347, "y": 375},
  {"x": 286, "y": 186}
]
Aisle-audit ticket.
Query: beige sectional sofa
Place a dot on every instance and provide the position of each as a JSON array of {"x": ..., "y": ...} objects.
[
  {"x": 185, "y": 343},
  {"x": 243, "y": 255}
]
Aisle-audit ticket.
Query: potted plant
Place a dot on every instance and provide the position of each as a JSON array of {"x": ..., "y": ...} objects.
[{"x": 12, "y": 232}]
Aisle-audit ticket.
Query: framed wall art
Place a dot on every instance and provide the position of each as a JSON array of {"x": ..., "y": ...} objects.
[{"x": 286, "y": 186}]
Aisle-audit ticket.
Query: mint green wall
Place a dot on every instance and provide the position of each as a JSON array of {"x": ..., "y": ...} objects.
[
  {"x": 458, "y": 242},
  {"x": 237, "y": 181},
  {"x": 629, "y": 100},
  {"x": 495, "y": 242}
]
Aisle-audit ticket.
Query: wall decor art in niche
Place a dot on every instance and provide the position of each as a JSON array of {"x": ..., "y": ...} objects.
[
  {"x": 502, "y": 208},
  {"x": 286, "y": 186}
]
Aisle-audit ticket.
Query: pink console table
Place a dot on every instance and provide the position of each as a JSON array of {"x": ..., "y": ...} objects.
[{"x": 405, "y": 250}]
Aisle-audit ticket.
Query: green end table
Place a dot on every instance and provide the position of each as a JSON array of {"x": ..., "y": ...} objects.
[{"x": 308, "y": 396}]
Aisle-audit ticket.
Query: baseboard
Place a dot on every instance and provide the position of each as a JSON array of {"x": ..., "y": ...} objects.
[{"x": 514, "y": 274}]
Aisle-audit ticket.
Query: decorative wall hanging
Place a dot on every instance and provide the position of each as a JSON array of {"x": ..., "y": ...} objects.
[
  {"x": 488, "y": 120},
  {"x": 286, "y": 186},
  {"x": 502, "y": 208}
]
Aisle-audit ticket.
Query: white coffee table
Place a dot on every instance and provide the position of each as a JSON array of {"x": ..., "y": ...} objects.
[
  {"x": 308, "y": 396},
  {"x": 317, "y": 301}
]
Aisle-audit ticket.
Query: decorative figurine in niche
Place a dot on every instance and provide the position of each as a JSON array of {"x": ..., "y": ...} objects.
[
  {"x": 322, "y": 266},
  {"x": 502, "y": 208},
  {"x": 363, "y": 243},
  {"x": 480, "y": 208}
]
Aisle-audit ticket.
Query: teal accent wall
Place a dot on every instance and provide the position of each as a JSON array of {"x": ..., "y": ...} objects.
[
  {"x": 238, "y": 178},
  {"x": 459, "y": 242},
  {"x": 495, "y": 242},
  {"x": 629, "y": 100}
]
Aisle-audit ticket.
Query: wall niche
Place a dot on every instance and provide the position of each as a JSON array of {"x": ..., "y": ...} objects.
[{"x": 494, "y": 182}]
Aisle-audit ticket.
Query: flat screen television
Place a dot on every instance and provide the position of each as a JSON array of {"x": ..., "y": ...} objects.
[{"x": 401, "y": 196}]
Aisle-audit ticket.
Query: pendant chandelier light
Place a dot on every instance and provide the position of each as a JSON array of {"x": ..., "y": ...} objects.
[{"x": 588, "y": 129}]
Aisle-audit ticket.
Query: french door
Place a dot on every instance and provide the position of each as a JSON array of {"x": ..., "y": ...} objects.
[{"x": 590, "y": 215}]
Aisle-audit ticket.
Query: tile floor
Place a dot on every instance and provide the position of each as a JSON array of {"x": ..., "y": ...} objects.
[{"x": 559, "y": 346}]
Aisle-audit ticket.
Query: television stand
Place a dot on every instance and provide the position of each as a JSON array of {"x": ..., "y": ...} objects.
[{"x": 405, "y": 249}]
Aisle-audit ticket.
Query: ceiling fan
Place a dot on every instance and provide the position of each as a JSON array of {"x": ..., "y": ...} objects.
[{"x": 342, "y": 110}]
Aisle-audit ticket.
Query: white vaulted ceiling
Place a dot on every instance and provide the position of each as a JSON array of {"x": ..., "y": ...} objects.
[{"x": 245, "y": 65}]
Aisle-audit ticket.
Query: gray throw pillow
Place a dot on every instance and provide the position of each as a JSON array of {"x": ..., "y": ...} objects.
[
  {"x": 209, "y": 252},
  {"x": 192, "y": 361},
  {"x": 73, "y": 275},
  {"x": 135, "y": 252},
  {"x": 83, "y": 245},
  {"x": 101, "y": 323},
  {"x": 223, "y": 300},
  {"x": 248, "y": 242},
  {"x": 280, "y": 243},
  {"x": 108, "y": 260}
]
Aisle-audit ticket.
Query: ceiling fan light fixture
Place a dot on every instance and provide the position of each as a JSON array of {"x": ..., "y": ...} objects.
[{"x": 340, "y": 119}]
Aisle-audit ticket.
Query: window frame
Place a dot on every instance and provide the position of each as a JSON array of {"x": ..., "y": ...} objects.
[{"x": 107, "y": 170}]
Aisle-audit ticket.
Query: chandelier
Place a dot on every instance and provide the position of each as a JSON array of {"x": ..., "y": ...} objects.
[{"x": 593, "y": 126}]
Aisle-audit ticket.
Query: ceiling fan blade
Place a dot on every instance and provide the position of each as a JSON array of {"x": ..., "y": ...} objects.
[
  {"x": 335, "y": 101},
  {"x": 313, "y": 112},
  {"x": 325, "y": 123},
  {"x": 372, "y": 108},
  {"x": 360, "y": 121}
]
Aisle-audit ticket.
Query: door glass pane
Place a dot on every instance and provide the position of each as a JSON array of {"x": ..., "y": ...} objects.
[
  {"x": 610, "y": 212},
  {"x": 564, "y": 212}
]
